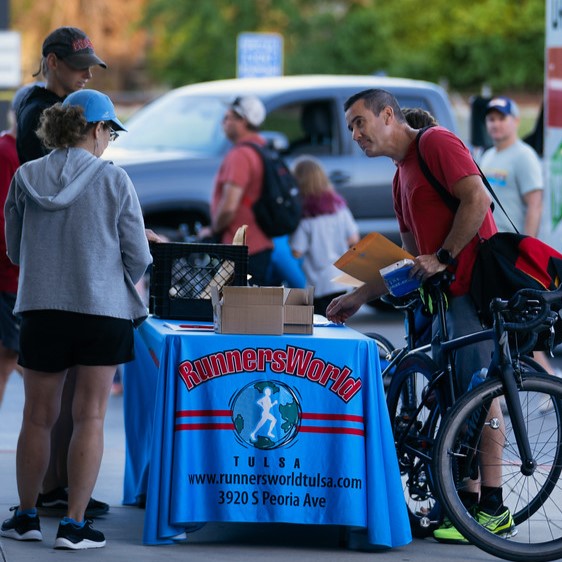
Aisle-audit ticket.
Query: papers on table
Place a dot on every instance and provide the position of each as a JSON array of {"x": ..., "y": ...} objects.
[{"x": 188, "y": 327}]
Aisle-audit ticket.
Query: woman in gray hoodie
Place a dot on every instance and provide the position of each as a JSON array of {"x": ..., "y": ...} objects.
[{"x": 74, "y": 226}]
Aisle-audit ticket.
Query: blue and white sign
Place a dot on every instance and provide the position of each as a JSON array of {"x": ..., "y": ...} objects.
[
  {"x": 259, "y": 55},
  {"x": 10, "y": 59}
]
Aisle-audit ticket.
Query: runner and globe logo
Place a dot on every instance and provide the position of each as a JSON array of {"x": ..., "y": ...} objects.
[{"x": 266, "y": 414}]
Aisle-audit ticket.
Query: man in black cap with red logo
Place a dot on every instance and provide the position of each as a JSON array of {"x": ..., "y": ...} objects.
[
  {"x": 67, "y": 60},
  {"x": 66, "y": 64}
]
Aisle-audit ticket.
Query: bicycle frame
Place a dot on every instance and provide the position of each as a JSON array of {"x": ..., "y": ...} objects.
[{"x": 501, "y": 366}]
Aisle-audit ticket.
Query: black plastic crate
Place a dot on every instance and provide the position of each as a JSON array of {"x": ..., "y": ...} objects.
[{"x": 182, "y": 275}]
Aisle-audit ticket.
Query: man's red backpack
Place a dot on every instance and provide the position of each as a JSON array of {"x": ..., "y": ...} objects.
[{"x": 507, "y": 262}]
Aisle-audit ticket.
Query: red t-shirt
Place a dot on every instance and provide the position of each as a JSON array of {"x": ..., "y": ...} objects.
[
  {"x": 421, "y": 210},
  {"x": 242, "y": 166},
  {"x": 8, "y": 164}
]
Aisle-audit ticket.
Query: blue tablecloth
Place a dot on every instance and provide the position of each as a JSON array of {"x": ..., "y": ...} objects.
[{"x": 288, "y": 429}]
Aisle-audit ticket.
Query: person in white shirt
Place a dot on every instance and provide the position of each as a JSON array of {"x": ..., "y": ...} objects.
[{"x": 326, "y": 231}]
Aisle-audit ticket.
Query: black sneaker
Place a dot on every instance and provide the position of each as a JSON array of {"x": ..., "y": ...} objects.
[
  {"x": 21, "y": 527},
  {"x": 72, "y": 537},
  {"x": 55, "y": 503}
]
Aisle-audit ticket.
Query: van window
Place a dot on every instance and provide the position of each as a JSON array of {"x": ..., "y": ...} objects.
[
  {"x": 187, "y": 123},
  {"x": 410, "y": 101},
  {"x": 309, "y": 126}
]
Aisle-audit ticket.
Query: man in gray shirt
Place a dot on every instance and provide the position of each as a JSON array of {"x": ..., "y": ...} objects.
[
  {"x": 515, "y": 173},
  {"x": 513, "y": 169}
]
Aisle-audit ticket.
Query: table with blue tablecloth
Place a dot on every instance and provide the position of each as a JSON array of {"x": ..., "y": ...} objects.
[{"x": 257, "y": 428}]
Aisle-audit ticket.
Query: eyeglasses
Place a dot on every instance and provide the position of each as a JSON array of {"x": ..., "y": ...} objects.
[{"x": 112, "y": 133}]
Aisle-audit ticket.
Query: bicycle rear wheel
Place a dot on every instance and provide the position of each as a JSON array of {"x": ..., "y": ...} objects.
[
  {"x": 414, "y": 407},
  {"x": 534, "y": 500},
  {"x": 385, "y": 348}
]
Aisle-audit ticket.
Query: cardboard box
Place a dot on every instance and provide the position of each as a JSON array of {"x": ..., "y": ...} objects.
[
  {"x": 299, "y": 311},
  {"x": 248, "y": 310},
  {"x": 262, "y": 310}
]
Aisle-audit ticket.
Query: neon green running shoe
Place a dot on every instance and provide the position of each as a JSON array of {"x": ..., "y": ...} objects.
[
  {"x": 447, "y": 533},
  {"x": 501, "y": 525}
]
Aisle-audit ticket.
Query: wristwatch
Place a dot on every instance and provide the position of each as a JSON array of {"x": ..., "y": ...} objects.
[{"x": 445, "y": 257}]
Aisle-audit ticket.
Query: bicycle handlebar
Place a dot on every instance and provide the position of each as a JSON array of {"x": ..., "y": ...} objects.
[{"x": 531, "y": 305}]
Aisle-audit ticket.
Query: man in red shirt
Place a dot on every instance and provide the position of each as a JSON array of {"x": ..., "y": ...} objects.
[
  {"x": 238, "y": 185},
  {"x": 9, "y": 324},
  {"x": 440, "y": 239}
]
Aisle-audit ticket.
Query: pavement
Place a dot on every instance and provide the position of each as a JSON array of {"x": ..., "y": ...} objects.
[{"x": 216, "y": 542}]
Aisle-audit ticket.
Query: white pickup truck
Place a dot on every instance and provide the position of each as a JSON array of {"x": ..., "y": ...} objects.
[{"x": 175, "y": 144}]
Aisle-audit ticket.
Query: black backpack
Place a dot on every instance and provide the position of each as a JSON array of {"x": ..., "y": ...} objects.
[{"x": 278, "y": 210}]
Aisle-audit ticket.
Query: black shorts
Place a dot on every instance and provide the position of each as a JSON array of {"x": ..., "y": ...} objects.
[
  {"x": 55, "y": 340},
  {"x": 9, "y": 324}
]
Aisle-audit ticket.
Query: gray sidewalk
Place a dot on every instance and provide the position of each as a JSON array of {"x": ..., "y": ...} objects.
[{"x": 216, "y": 542}]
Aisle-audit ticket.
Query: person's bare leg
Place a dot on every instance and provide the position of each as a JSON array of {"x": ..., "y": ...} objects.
[
  {"x": 56, "y": 475},
  {"x": 542, "y": 359},
  {"x": 8, "y": 363},
  {"x": 491, "y": 446},
  {"x": 91, "y": 394},
  {"x": 42, "y": 403}
]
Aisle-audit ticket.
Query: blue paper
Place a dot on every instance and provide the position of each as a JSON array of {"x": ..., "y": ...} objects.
[{"x": 396, "y": 278}]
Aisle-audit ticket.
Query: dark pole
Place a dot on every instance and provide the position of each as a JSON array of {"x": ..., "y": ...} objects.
[
  {"x": 4, "y": 14},
  {"x": 4, "y": 26}
]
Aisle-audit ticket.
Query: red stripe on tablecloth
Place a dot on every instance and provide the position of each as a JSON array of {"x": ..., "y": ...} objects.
[
  {"x": 202, "y": 413},
  {"x": 154, "y": 357},
  {"x": 339, "y": 417},
  {"x": 303, "y": 429},
  {"x": 202, "y": 426},
  {"x": 340, "y": 430}
]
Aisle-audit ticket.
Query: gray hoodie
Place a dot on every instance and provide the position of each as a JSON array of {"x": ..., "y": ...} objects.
[{"x": 74, "y": 226}]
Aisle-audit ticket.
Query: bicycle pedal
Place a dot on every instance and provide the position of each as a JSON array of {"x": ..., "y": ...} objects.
[
  {"x": 493, "y": 423},
  {"x": 426, "y": 522}
]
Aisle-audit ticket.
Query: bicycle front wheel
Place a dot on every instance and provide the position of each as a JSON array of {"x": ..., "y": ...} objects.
[
  {"x": 414, "y": 404},
  {"x": 475, "y": 438},
  {"x": 385, "y": 348}
]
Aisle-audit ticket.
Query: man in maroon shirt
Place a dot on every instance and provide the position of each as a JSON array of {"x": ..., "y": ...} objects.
[
  {"x": 439, "y": 239},
  {"x": 239, "y": 183}
]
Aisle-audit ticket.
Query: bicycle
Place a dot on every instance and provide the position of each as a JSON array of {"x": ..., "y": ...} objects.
[
  {"x": 531, "y": 458},
  {"x": 419, "y": 391},
  {"x": 389, "y": 355}
]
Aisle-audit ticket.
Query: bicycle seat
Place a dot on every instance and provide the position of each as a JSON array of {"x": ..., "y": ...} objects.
[
  {"x": 405, "y": 302},
  {"x": 441, "y": 280}
]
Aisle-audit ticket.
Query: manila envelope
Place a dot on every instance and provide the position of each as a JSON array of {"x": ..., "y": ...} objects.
[{"x": 371, "y": 253}]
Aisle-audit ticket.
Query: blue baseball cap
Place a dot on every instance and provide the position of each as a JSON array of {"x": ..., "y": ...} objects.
[
  {"x": 96, "y": 107},
  {"x": 504, "y": 105}
]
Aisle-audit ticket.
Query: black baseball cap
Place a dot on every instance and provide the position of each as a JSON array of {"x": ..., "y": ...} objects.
[{"x": 73, "y": 46}]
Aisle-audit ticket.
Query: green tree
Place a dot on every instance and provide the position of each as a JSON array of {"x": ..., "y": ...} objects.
[
  {"x": 194, "y": 41},
  {"x": 500, "y": 42}
]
